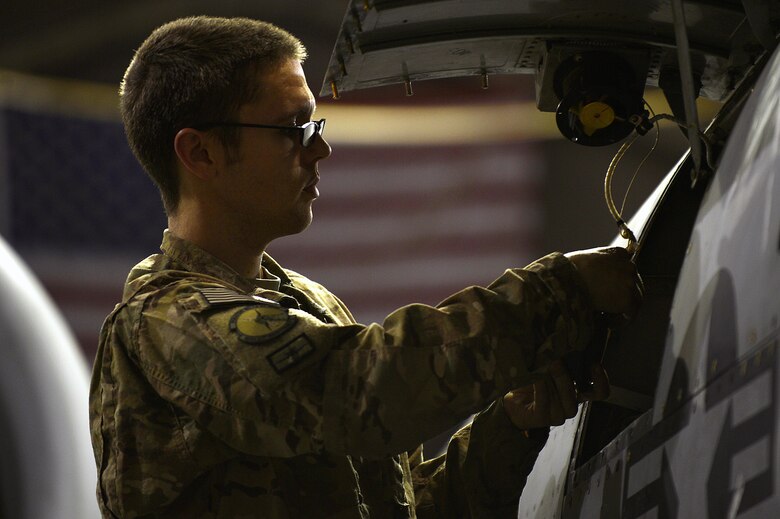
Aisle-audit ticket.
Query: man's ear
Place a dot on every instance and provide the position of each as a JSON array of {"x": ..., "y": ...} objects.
[{"x": 196, "y": 151}]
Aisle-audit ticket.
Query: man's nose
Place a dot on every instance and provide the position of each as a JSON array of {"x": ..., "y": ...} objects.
[{"x": 319, "y": 149}]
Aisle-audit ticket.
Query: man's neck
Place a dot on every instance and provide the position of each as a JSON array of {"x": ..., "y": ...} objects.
[{"x": 234, "y": 251}]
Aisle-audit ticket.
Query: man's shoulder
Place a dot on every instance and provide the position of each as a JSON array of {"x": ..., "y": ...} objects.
[
  {"x": 189, "y": 291},
  {"x": 156, "y": 284}
]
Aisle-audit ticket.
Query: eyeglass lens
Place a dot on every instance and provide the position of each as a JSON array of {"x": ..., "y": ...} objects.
[{"x": 311, "y": 130}]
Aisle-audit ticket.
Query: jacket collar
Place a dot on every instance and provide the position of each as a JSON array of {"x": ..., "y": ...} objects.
[{"x": 195, "y": 259}]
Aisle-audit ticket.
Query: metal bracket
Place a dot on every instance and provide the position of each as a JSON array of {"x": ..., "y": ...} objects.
[{"x": 689, "y": 95}]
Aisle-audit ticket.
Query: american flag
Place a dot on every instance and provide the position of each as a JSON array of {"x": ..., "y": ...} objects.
[
  {"x": 394, "y": 224},
  {"x": 401, "y": 225}
]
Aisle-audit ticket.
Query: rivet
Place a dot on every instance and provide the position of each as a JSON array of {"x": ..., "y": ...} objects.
[{"x": 408, "y": 87}]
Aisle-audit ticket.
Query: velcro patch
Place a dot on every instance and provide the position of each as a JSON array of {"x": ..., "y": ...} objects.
[
  {"x": 221, "y": 296},
  {"x": 291, "y": 354},
  {"x": 260, "y": 323}
]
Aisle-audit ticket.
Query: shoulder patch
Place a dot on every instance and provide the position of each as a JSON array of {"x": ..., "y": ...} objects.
[
  {"x": 289, "y": 355},
  {"x": 220, "y": 296},
  {"x": 260, "y": 323}
]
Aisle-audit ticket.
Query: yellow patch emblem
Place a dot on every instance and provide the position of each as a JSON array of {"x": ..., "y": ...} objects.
[{"x": 259, "y": 323}]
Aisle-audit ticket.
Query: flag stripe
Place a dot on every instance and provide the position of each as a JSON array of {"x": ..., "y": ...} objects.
[{"x": 306, "y": 256}]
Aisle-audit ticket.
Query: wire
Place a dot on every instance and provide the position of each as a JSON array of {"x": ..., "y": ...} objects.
[
  {"x": 623, "y": 229},
  {"x": 644, "y": 159}
]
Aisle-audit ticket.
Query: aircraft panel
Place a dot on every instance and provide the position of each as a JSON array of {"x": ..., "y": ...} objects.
[
  {"x": 543, "y": 493},
  {"x": 384, "y": 42},
  {"x": 714, "y": 453},
  {"x": 708, "y": 448},
  {"x": 726, "y": 302}
]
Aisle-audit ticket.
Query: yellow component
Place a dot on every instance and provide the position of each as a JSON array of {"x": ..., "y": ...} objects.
[
  {"x": 260, "y": 323},
  {"x": 595, "y": 116}
]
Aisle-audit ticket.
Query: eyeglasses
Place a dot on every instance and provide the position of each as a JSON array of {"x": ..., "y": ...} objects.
[{"x": 308, "y": 131}]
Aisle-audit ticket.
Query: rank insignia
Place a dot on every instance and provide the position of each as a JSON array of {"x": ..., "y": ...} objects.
[
  {"x": 260, "y": 323},
  {"x": 292, "y": 353}
]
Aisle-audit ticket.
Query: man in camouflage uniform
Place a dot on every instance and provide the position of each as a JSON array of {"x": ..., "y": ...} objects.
[{"x": 227, "y": 386}]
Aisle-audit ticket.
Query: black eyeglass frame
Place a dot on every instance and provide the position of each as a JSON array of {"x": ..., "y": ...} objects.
[{"x": 307, "y": 135}]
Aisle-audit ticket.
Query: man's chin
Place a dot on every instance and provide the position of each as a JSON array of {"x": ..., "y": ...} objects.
[{"x": 300, "y": 224}]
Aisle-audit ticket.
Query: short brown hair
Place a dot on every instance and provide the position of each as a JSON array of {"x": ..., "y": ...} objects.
[{"x": 190, "y": 71}]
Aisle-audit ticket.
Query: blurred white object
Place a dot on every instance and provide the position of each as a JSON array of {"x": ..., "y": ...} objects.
[{"x": 47, "y": 469}]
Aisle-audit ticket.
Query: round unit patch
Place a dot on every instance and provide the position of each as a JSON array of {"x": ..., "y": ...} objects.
[{"x": 259, "y": 323}]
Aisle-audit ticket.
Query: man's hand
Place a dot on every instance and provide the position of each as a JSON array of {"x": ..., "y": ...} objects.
[
  {"x": 611, "y": 279},
  {"x": 553, "y": 398}
]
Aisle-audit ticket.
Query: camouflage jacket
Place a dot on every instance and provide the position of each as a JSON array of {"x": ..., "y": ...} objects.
[{"x": 216, "y": 396}]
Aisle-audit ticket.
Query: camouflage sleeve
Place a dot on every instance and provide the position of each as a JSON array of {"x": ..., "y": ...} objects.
[
  {"x": 270, "y": 381},
  {"x": 483, "y": 472}
]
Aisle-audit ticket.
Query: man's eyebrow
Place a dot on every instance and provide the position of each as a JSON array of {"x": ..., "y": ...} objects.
[{"x": 303, "y": 111}]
